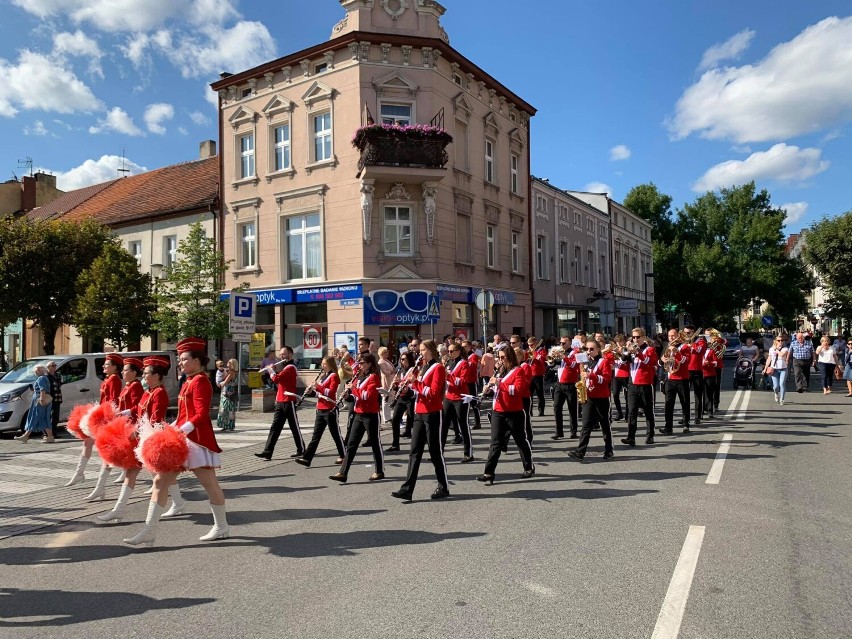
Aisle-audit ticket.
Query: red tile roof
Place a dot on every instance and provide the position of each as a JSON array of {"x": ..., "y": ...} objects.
[
  {"x": 173, "y": 189},
  {"x": 67, "y": 201}
]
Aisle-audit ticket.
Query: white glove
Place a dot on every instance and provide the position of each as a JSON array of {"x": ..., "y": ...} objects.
[
  {"x": 187, "y": 428},
  {"x": 126, "y": 413}
]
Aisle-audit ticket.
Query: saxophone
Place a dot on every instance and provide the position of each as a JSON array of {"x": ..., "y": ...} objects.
[{"x": 582, "y": 391}]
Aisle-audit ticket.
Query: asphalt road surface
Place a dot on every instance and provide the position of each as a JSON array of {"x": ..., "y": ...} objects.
[{"x": 739, "y": 529}]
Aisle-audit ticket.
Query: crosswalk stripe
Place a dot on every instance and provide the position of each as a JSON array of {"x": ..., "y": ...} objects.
[
  {"x": 34, "y": 471},
  {"x": 20, "y": 487}
]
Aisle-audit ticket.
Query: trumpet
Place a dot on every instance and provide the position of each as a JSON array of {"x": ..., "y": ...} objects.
[
  {"x": 403, "y": 387},
  {"x": 555, "y": 354}
]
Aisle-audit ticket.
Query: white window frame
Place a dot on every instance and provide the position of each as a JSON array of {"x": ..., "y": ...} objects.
[
  {"x": 590, "y": 268},
  {"x": 578, "y": 266},
  {"x": 304, "y": 232},
  {"x": 134, "y": 247},
  {"x": 602, "y": 273},
  {"x": 563, "y": 262},
  {"x": 514, "y": 163},
  {"x": 325, "y": 133},
  {"x": 245, "y": 241},
  {"x": 516, "y": 252},
  {"x": 490, "y": 168},
  {"x": 541, "y": 257},
  {"x": 401, "y": 121},
  {"x": 170, "y": 247},
  {"x": 286, "y": 146},
  {"x": 491, "y": 256},
  {"x": 245, "y": 155},
  {"x": 398, "y": 224}
]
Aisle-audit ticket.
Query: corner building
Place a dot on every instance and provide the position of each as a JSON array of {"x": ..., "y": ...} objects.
[{"x": 396, "y": 239}]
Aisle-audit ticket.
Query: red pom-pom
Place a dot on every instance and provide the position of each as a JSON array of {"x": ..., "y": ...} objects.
[
  {"x": 98, "y": 417},
  {"x": 116, "y": 442},
  {"x": 76, "y": 416},
  {"x": 164, "y": 451}
]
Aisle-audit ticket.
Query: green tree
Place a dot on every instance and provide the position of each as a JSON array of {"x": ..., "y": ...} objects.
[
  {"x": 826, "y": 250},
  {"x": 39, "y": 267},
  {"x": 115, "y": 300},
  {"x": 646, "y": 201},
  {"x": 189, "y": 295}
]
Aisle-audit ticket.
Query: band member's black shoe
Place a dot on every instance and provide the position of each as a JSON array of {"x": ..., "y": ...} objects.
[
  {"x": 392, "y": 449},
  {"x": 665, "y": 431},
  {"x": 303, "y": 462},
  {"x": 528, "y": 473},
  {"x": 458, "y": 440},
  {"x": 573, "y": 453},
  {"x": 686, "y": 428},
  {"x": 629, "y": 442},
  {"x": 263, "y": 456},
  {"x": 573, "y": 435},
  {"x": 556, "y": 437},
  {"x": 440, "y": 493},
  {"x": 297, "y": 454},
  {"x": 487, "y": 479},
  {"x": 338, "y": 477},
  {"x": 608, "y": 454},
  {"x": 402, "y": 494},
  {"x": 649, "y": 440},
  {"x": 466, "y": 459}
]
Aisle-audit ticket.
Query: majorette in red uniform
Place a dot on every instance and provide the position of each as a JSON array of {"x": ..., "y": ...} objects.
[
  {"x": 365, "y": 391},
  {"x": 325, "y": 389}
]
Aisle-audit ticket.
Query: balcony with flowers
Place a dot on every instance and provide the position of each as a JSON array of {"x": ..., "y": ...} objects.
[{"x": 416, "y": 153}]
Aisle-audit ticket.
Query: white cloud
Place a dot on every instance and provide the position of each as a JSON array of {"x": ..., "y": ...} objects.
[
  {"x": 620, "y": 152},
  {"x": 782, "y": 163},
  {"x": 79, "y": 44},
  {"x": 155, "y": 114},
  {"x": 118, "y": 121},
  {"x": 214, "y": 49},
  {"x": 801, "y": 86},
  {"x": 730, "y": 49},
  {"x": 598, "y": 187},
  {"x": 182, "y": 130},
  {"x": 37, "y": 128},
  {"x": 38, "y": 82},
  {"x": 795, "y": 211},
  {"x": 96, "y": 171},
  {"x": 199, "y": 118}
]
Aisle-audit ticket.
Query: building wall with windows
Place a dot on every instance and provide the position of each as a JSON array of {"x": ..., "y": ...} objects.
[
  {"x": 368, "y": 249},
  {"x": 571, "y": 262}
]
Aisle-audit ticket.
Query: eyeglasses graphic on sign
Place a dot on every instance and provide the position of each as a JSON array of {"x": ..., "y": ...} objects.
[{"x": 386, "y": 300}]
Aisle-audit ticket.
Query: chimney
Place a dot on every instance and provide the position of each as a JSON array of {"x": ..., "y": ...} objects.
[
  {"x": 28, "y": 193},
  {"x": 47, "y": 180},
  {"x": 207, "y": 149}
]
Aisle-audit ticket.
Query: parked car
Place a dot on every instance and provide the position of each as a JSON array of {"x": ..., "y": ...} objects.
[
  {"x": 81, "y": 383},
  {"x": 732, "y": 347}
]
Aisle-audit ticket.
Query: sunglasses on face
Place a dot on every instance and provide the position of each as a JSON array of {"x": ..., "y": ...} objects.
[{"x": 591, "y": 348}]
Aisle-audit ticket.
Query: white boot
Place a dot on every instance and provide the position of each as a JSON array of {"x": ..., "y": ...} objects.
[
  {"x": 80, "y": 473},
  {"x": 178, "y": 502},
  {"x": 100, "y": 488},
  {"x": 147, "y": 535},
  {"x": 120, "y": 478},
  {"x": 117, "y": 511},
  {"x": 220, "y": 528}
]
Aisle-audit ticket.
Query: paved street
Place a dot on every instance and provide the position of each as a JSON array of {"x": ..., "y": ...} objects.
[{"x": 638, "y": 546}]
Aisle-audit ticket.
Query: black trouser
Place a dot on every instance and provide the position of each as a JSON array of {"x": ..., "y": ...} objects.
[
  {"x": 472, "y": 389},
  {"x": 455, "y": 414},
  {"x": 537, "y": 390},
  {"x": 325, "y": 418},
  {"x": 718, "y": 389},
  {"x": 400, "y": 409},
  {"x": 284, "y": 411},
  {"x": 501, "y": 424},
  {"x": 802, "y": 373},
  {"x": 350, "y": 401},
  {"x": 54, "y": 415},
  {"x": 677, "y": 389},
  {"x": 619, "y": 392},
  {"x": 827, "y": 375},
  {"x": 363, "y": 423},
  {"x": 696, "y": 381},
  {"x": 595, "y": 413},
  {"x": 640, "y": 396},
  {"x": 565, "y": 393},
  {"x": 528, "y": 418},
  {"x": 428, "y": 430},
  {"x": 710, "y": 394}
]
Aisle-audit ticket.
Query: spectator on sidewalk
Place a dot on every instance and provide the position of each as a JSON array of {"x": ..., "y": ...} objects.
[
  {"x": 847, "y": 369},
  {"x": 827, "y": 361},
  {"x": 802, "y": 356},
  {"x": 776, "y": 367},
  {"x": 226, "y": 420},
  {"x": 56, "y": 392}
]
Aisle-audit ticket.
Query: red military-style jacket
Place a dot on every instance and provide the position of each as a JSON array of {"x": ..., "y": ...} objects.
[
  {"x": 130, "y": 395},
  {"x": 472, "y": 368},
  {"x": 286, "y": 382},
  {"x": 682, "y": 357},
  {"x": 507, "y": 395},
  {"x": 525, "y": 388},
  {"x": 430, "y": 388},
  {"x": 327, "y": 387},
  {"x": 569, "y": 370},
  {"x": 111, "y": 389},
  {"x": 697, "y": 355},
  {"x": 644, "y": 367},
  {"x": 194, "y": 406},
  {"x": 599, "y": 380},
  {"x": 710, "y": 363},
  {"x": 539, "y": 362},
  {"x": 153, "y": 405},
  {"x": 366, "y": 394},
  {"x": 457, "y": 380}
]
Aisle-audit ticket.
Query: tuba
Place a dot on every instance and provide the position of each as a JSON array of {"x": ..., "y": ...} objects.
[{"x": 671, "y": 364}]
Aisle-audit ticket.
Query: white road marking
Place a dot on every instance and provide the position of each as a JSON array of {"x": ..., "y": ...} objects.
[
  {"x": 539, "y": 589},
  {"x": 34, "y": 471},
  {"x": 671, "y": 614},
  {"x": 731, "y": 410},
  {"x": 64, "y": 539},
  {"x": 716, "y": 470},
  {"x": 744, "y": 406},
  {"x": 20, "y": 487}
]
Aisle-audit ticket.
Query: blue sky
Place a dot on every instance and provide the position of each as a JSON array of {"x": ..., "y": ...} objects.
[{"x": 689, "y": 94}]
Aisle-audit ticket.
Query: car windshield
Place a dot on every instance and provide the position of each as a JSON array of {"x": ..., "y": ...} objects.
[
  {"x": 733, "y": 342},
  {"x": 23, "y": 373}
]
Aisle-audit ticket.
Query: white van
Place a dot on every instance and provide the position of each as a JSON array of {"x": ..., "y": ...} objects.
[{"x": 81, "y": 383}]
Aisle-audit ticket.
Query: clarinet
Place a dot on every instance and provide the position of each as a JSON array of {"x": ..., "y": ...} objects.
[
  {"x": 498, "y": 373},
  {"x": 308, "y": 390},
  {"x": 403, "y": 388}
]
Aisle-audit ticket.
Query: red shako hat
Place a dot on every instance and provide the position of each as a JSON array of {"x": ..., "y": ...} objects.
[
  {"x": 116, "y": 359},
  {"x": 192, "y": 344},
  {"x": 134, "y": 361},
  {"x": 157, "y": 360}
]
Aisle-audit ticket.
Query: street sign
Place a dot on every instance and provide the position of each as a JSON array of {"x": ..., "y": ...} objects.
[
  {"x": 767, "y": 321},
  {"x": 312, "y": 342},
  {"x": 243, "y": 338},
  {"x": 242, "y": 318},
  {"x": 484, "y": 300},
  {"x": 434, "y": 311}
]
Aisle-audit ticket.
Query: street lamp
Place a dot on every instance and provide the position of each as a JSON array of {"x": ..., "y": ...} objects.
[
  {"x": 647, "y": 322},
  {"x": 156, "y": 274}
]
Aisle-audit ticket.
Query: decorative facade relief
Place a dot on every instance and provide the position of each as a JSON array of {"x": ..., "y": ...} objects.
[
  {"x": 367, "y": 191},
  {"x": 398, "y": 192},
  {"x": 406, "y": 54},
  {"x": 340, "y": 26},
  {"x": 386, "y": 49},
  {"x": 286, "y": 71},
  {"x": 269, "y": 77},
  {"x": 394, "y": 8},
  {"x": 232, "y": 93},
  {"x": 252, "y": 83},
  {"x": 306, "y": 68},
  {"x": 427, "y": 56},
  {"x": 430, "y": 207},
  {"x": 355, "y": 50},
  {"x": 223, "y": 95},
  {"x": 516, "y": 220},
  {"x": 365, "y": 50},
  {"x": 329, "y": 59}
]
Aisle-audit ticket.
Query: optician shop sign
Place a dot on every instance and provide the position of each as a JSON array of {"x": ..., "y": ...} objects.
[
  {"x": 269, "y": 296},
  {"x": 387, "y": 307}
]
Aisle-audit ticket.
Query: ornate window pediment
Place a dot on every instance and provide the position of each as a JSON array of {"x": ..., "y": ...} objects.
[
  {"x": 515, "y": 137},
  {"x": 462, "y": 107},
  {"x": 491, "y": 122},
  {"x": 317, "y": 92},
  {"x": 395, "y": 84},
  {"x": 277, "y": 105},
  {"x": 399, "y": 272},
  {"x": 241, "y": 116}
]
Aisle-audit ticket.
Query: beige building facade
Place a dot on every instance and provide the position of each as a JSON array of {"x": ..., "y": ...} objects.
[
  {"x": 391, "y": 240},
  {"x": 571, "y": 263}
]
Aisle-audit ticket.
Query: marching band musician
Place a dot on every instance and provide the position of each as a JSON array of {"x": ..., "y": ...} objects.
[
  {"x": 455, "y": 408},
  {"x": 326, "y": 392},
  {"x": 538, "y": 361},
  {"x": 696, "y": 376},
  {"x": 566, "y": 391},
  {"x": 620, "y": 376},
  {"x": 469, "y": 352},
  {"x": 526, "y": 392},
  {"x": 403, "y": 403},
  {"x": 597, "y": 378},
  {"x": 365, "y": 390},
  {"x": 677, "y": 383},
  {"x": 640, "y": 391},
  {"x": 285, "y": 407},
  {"x": 428, "y": 429},
  {"x": 719, "y": 370},
  {"x": 508, "y": 416},
  {"x": 710, "y": 368}
]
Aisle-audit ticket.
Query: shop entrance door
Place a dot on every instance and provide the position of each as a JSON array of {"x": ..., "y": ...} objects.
[{"x": 395, "y": 337}]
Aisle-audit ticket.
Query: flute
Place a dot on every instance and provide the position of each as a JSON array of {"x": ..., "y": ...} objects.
[
  {"x": 271, "y": 367},
  {"x": 308, "y": 390}
]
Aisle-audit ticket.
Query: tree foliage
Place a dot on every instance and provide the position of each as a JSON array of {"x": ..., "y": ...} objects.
[
  {"x": 646, "y": 201},
  {"x": 115, "y": 300},
  {"x": 188, "y": 295},
  {"x": 40, "y": 262},
  {"x": 826, "y": 250}
]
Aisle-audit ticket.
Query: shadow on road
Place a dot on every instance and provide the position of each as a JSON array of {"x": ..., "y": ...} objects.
[{"x": 48, "y": 608}]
